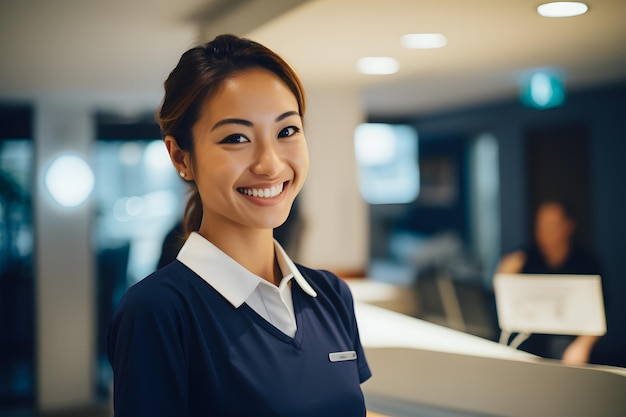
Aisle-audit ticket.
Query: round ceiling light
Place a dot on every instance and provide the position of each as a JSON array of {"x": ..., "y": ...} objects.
[
  {"x": 377, "y": 65},
  {"x": 423, "y": 40},
  {"x": 562, "y": 9}
]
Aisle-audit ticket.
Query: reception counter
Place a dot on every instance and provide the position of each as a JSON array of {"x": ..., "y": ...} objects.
[{"x": 423, "y": 369}]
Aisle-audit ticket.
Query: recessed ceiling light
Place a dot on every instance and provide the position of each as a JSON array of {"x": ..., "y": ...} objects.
[
  {"x": 377, "y": 65},
  {"x": 423, "y": 40},
  {"x": 562, "y": 9}
]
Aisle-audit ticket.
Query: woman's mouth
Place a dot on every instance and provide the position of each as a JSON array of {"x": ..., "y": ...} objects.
[{"x": 269, "y": 192}]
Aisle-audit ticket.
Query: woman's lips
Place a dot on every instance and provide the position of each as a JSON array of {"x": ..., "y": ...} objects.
[{"x": 263, "y": 192}]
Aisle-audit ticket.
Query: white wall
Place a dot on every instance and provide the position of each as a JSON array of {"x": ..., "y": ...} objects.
[
  {"x": 64, "y": 274},
  {"x": 336, "y": 225}
]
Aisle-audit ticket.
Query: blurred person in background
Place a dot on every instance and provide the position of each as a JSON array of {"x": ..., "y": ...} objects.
[
  {"x": 554, "y": 252},
  {"x": 233, "y": 327}
]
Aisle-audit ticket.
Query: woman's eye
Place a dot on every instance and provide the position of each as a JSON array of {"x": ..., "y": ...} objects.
[
  {"x": 288, "y": 131},
  {"x": 234, "y": 139}
]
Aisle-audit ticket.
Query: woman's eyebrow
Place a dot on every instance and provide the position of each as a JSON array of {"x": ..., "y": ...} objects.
[
  {"x": 287, "y": 114},
  {"x": 231, "y": 121},
  {"x": 248, "y": 123}
]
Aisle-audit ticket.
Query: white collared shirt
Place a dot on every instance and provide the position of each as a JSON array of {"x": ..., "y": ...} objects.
[{"x": 238, "y": 285}]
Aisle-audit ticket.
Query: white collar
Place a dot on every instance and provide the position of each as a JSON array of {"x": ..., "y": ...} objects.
[{"x": 229, "y": 278}]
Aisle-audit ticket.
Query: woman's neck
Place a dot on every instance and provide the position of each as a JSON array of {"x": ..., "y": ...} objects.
[
  {"x": 556, "y": 256},
  {"x": 253, "y": 249}
]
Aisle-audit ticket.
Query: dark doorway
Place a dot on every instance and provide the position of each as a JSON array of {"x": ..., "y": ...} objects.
[{"x": 558, "y": 164}]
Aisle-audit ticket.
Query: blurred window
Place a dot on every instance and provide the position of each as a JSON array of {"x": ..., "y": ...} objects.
[
  {"x": 17, "y": 325},
  {"x": 139, "y": 198},
  {"x": 386, "y": 156},
  {"x": 485, "y": 202}
]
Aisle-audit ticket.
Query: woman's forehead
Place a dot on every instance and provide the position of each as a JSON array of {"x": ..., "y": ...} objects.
[{"x": 252, "y": 90}]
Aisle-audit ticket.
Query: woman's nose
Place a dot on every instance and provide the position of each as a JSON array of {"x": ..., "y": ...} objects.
[{"x": 268, "y": 160}]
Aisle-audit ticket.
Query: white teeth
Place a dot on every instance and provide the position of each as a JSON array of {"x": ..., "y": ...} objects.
[{"x": 262, "y": 192}]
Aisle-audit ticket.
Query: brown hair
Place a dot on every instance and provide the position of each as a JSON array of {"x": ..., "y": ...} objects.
[{"x": 200, "y": 72}]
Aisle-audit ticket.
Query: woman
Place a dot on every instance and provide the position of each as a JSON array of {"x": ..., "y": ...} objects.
[
  {"x": 233, "y": 327},
  {"x": 553, "y": 252}
]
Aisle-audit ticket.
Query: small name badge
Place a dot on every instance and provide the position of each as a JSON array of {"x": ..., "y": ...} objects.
[{"x": 348, "y": 355}]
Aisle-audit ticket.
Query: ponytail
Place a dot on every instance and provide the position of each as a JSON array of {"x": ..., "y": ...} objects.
[{"x": 193, "y": 212}]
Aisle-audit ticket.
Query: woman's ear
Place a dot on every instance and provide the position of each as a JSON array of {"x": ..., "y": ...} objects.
[{"x": 180, "y": 159}]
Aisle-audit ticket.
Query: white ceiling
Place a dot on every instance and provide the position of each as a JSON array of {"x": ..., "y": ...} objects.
[{"x": 120, "y": 51}]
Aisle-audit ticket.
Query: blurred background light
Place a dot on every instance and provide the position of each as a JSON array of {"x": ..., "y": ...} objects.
[
  {"x": 377, "y": 65},
  {"x": 423, "y": 40},
  {"x": 135, "y": 205},
  {"x": 130, "y": 153},
  {"x": 543, "y": 91},
  {"x": 562, "y": 9},
  {"x": 386, "y": 156},
  {"x": 161, "y": 204},
  {"x": 374, "y": 144},
  {"x": 69, "y": 180},
  {"x": 156, "y": 156},
  {"x": 156, "y": 204}
]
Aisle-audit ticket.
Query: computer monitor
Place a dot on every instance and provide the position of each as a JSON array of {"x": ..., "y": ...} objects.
[{"x": 550, "y": 304}]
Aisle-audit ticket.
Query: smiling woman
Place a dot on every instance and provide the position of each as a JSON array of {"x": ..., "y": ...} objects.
[
  {"x": 239, "y": 164},
  {"x": 233, "y": 318}
]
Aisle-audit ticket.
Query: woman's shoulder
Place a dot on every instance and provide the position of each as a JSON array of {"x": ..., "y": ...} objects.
[
  {"x": 585, "y": 260},
  {"x": 152, "y": 311},
  {"x": 165, "y": 287}
]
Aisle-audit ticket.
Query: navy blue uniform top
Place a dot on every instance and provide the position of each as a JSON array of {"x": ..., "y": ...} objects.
[
  {"x": 178, "y": 348},
  {"x": 578, "y": 261}
]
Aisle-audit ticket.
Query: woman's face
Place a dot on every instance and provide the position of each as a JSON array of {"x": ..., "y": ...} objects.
[
  {"x": 250, "y": 157},
  {"x": 552, "y": 227}
]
